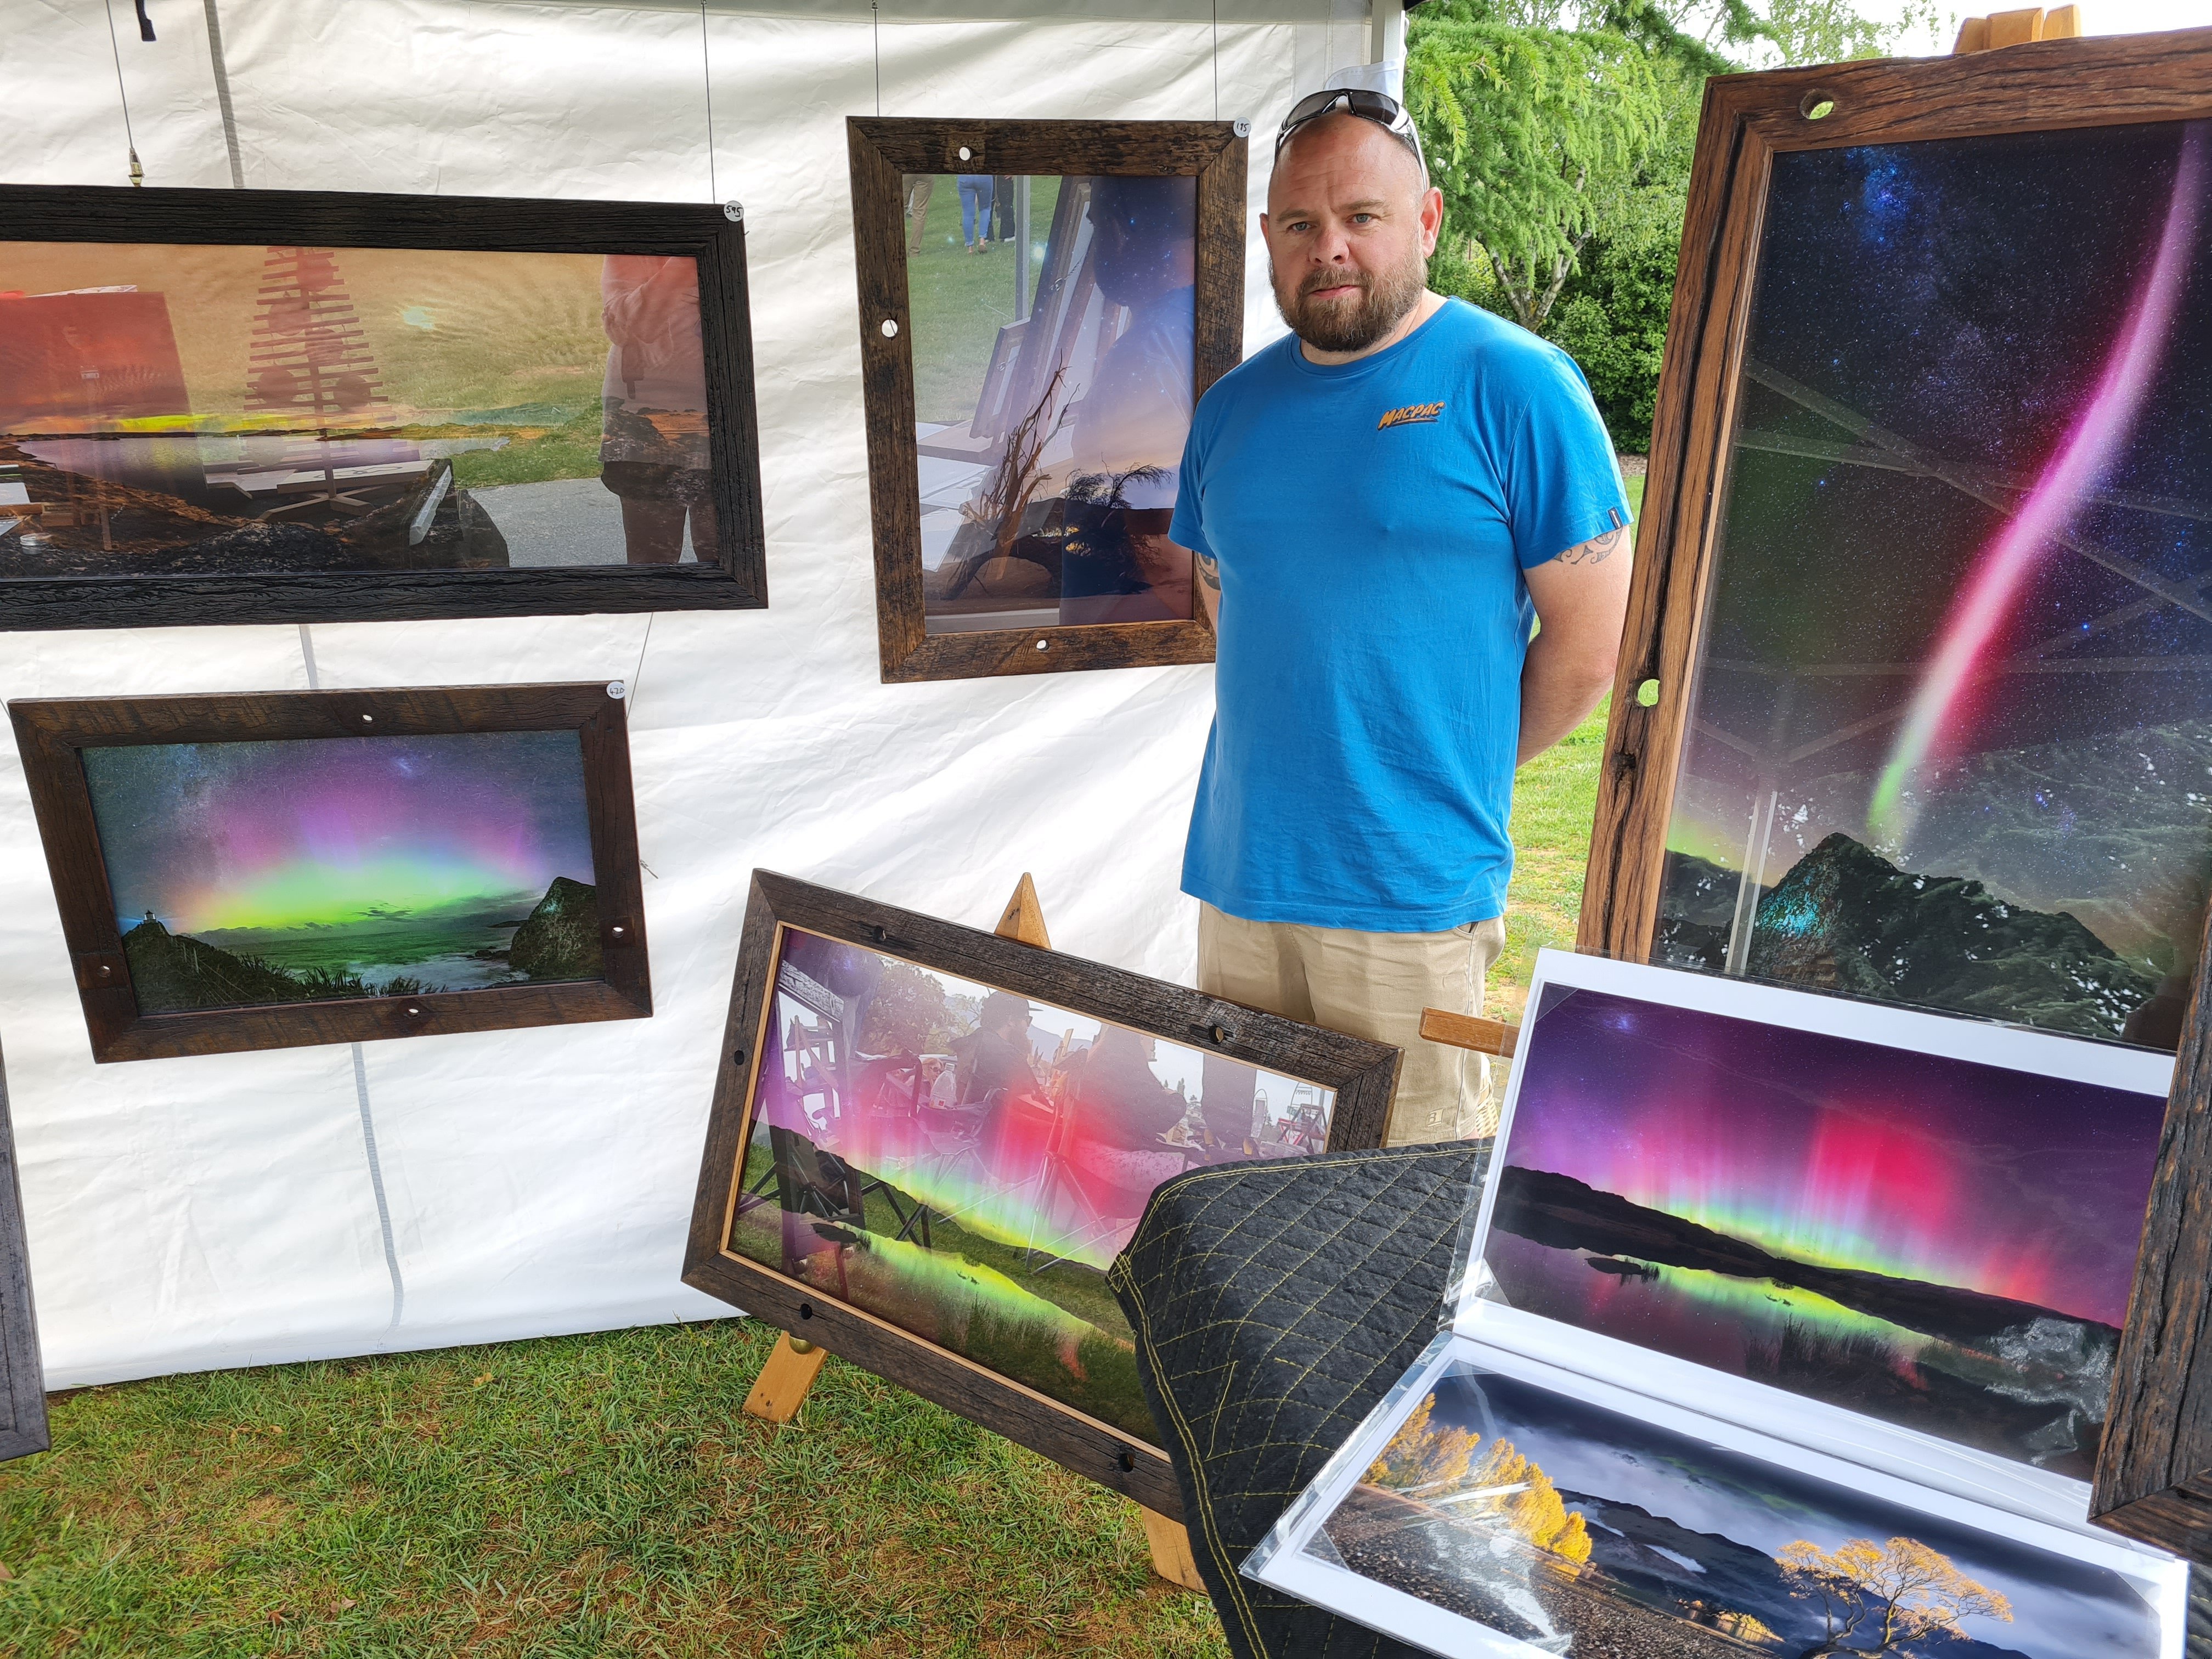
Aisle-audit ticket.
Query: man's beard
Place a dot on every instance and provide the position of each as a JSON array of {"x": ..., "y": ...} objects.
[{"x": 1385, "y": 298}]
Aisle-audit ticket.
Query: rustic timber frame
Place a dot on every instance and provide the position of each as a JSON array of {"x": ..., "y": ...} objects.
[
  {"x": 2041, "y": 85},
  {"x": 2155, "y": 1470},
  {"x": 2154, "y": 1478},
  {"x": 49, "y": 734},
  {"x": 713, "y": 235},
  {"x": 23, "y": 1389},
  {"x": 1361, "y": 1073},
  {"x": 882, "y": 152}
]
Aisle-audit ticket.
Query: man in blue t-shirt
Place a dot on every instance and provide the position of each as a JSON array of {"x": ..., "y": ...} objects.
[{"x": 1379, "y": 506}]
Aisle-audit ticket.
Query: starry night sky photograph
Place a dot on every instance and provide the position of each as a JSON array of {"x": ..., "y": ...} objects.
[{"x": 1956, "y": 617}]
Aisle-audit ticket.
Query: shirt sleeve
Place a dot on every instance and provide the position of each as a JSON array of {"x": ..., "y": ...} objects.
[
  {"x": 1185, "y": 528},
  {"x": 1564, "y": 484}
]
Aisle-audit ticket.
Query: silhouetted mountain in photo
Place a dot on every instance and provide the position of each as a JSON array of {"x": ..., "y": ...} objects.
[
  {"x": 561, "y": 938},
  {"x": 1567, "y": 1214},
  {"x": 173, "y": 972},
  {"x": 2013, "y": 1378},
  {"x": 1846, "y": 919}
]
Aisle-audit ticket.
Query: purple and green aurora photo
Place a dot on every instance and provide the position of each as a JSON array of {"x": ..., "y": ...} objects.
[
  {"x": 307, "y": 868},
  {"x": 1933, "y": 1242},
  {"x": 1951, "y": 738},
  {"x": 1544, "y": 1517}
]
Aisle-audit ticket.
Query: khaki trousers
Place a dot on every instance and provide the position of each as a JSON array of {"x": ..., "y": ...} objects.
[{"x": 1373, "y": 985}]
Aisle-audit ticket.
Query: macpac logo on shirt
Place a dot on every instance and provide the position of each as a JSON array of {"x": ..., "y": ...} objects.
[{"x": 1410, "y": 415}]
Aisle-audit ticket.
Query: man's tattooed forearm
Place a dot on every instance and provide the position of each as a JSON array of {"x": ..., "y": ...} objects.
[
  {"x": 1596, "y": 549},
  {"x": 1209, "y": 571}
]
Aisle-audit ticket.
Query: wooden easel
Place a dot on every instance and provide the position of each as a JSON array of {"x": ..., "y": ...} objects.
[
  {"x": 2013, "y": 28},
  {"x": 794, "y": 1362}
]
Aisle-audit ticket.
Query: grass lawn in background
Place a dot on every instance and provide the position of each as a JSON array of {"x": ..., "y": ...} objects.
[
  {"x": 958, "y": 302},
  {"x": 567, "y": 1496},
  {"x": 604, "y": 1494}
]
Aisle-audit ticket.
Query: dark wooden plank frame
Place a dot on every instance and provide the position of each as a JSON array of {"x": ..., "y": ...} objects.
[
  {"x": 24, "y": 1397},
  {"x": 2044, "y": 85},
  {"x": 883, "y": 151},
  {"x": 1362, "y": 1074},
  {"x": 2155, "y": 1470},
  {"x": 2154, "y": 1478},
  {"x": 714, "y": 235},
  {"x": 50, "y": 732}
]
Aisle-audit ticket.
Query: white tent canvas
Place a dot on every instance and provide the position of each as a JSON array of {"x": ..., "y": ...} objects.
[{"x": 244, "y": 1209}]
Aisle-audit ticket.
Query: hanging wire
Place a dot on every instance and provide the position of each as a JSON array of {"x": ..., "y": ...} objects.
[
  {"x": 130, "y": 143},
  {"x": 707, "y": 69},
  {"x": 1216, "y": 59},
  {"x": 875, "y": 42}
]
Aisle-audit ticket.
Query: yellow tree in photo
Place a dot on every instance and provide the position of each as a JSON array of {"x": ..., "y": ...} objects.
[
  {"x": 1437, "y": 1464},
  {"x": 1876, "y": 1596},
  {"x": 1530, "y": 1504},
  {"x": 1425, "y": 1457}
]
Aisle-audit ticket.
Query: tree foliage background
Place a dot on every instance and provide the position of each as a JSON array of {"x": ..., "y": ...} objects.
[{"x": 1561, "y": 131}]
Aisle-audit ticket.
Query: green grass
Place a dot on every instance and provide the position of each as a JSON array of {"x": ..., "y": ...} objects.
[
  {"x": 959, "y": 300},
  {"x": 567, "y": 451},
  {"x": 568, "y": 1497},
  {"x": 604, "y": 1494}
]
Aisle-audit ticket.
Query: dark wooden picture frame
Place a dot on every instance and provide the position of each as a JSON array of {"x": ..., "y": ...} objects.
[
  {"x": 714, "y": 235},
  {"x": 884, "y": 151},
  {"x": 2154, "y": 1478},
  {"x": 50, "y": 733},
  {"x": 23, "y": 1390},
  {"x": 1747, "y": 120},
  {"x": 1362, "y": 1074}
]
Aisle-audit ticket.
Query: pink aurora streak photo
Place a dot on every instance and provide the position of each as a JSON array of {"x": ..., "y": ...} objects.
[
  {"x": 1846, "y": 1154},
  {"x": 2093, "y": 442}
]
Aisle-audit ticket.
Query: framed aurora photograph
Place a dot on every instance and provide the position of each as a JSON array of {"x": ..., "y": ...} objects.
[
  {"x": 1915, "y": 696},
  {"x": 1042, "y": 304},
  {"x": 277, "y": 869},
  {"x": 302, "y": 406},
  {"x": 928, "y": 1142}
]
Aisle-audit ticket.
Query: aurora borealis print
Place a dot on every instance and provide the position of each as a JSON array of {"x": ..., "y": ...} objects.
[
  {"x": 257, "y": 872},
  {"x": 1951, "y": 740},
  {"x": 963, "y": 1164},
  {"x": 1938, "y": 1243}
]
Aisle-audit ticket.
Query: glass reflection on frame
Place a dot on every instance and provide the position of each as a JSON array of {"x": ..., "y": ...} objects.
[
  {"x": 1054, "y": 326},
  {"x": 965, "y": 1163},
  {"x": 201, "y": 410}
]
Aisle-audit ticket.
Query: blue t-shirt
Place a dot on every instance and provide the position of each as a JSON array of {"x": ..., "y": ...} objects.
[{"x": 1372, "y": 520}]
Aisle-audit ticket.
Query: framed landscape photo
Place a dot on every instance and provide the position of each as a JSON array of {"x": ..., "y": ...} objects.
[
  {"x": 1914, "y": 702},
  {"x": 227, "y": 406},
  {"x": 928, "y": 1142},
  {"x": 274, "y": 869},
  {"x": 1042, "y": 304},
  {"x": 1496, "y": 1506}
]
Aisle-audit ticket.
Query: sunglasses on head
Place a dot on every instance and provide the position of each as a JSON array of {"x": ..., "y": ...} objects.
[{"x": 1379, "y": 107}]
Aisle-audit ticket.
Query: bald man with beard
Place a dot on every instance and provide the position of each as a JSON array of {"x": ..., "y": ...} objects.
[{"x": 1380, "y": 506}]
